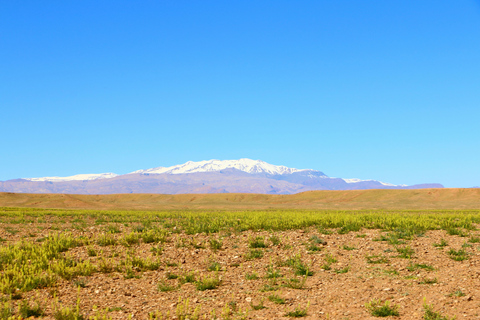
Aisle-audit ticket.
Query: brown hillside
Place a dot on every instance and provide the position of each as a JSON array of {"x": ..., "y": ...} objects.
[{"x": 352, "y": 199}]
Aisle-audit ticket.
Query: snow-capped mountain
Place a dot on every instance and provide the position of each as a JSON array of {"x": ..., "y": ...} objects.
[
  {"x": 245, "y": 165},
  {"x": 82, "y": 177},
  {"x": 211, "y": 176},
  {"x": 383, "y": 183}
]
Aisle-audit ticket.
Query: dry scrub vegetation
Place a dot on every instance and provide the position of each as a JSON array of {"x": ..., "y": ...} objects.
[{"x": 72, "y": 264}]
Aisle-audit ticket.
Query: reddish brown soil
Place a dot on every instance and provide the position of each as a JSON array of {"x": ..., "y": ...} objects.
[{"x": 327, "y": 294}]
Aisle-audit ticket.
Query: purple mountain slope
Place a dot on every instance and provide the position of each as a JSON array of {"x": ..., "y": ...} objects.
[{"x": 214, "y": 176}]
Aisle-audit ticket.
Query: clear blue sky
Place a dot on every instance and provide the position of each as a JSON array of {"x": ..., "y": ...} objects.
[{"x": 386, "y": 90}]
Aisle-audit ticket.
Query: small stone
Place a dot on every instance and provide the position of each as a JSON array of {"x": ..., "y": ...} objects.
[{"x": 248, "y": 299}]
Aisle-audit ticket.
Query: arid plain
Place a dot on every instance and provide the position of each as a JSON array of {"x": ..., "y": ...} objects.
[{"x": 402, "y": 254}]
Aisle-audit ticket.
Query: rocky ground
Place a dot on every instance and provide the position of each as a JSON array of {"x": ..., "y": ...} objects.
[{"x": 314, "y": 273}]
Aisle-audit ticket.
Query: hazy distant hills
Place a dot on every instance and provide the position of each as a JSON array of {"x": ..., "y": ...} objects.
[{"x": 213, "y": 176}]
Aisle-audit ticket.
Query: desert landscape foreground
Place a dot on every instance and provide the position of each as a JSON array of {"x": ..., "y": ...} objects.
[{"x": 399, "y": 254}]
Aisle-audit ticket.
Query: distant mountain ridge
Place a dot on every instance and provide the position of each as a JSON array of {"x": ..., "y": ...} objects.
[
  {"x": 245, "y": 165},
  {"x": 210, "y": 176}
]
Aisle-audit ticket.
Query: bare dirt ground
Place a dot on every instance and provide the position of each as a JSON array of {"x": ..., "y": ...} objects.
[
  {"x": 348, "y": 271},
  {"x": 422, "y": 199}
]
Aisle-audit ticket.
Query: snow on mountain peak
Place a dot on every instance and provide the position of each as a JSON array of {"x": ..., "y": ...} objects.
[
  {"x": 82, "y": 177},
  {"x": 383, "y": 183},
  {"x": 246, "y": 165}
]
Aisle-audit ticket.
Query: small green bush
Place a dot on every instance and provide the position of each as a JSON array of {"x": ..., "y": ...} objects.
[
  {"x": 208, "y": 283},
  {"x": 26, "y": 310},
  {"x": 377, "y": 309},
  {"x": 276, "y": 299},
  {"x": 254, "y": 254},
  {"x": 257, "y": 242},
  {"x": 429, "y": 314}
]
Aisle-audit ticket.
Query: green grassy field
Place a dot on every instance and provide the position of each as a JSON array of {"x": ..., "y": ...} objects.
[{"x": 197, "y": 221}]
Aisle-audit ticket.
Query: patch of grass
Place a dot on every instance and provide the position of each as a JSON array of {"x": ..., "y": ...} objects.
[
  {"x": 330, "y": 259},
  {"x": 297, "y": 313},
  {"x": 106, "y": 239},
  {"x": 257, "y": 242},
  {"x": 326, "y": 266},
  {"x": 171, "y": 276},
  {"x": 466, "y": 245},
  {"x": 376, "y": 259},
  {"x": 182, "y": 312},
  {"x": 443, "y": 243},
  {"x": 429, "y": 281},
  {"x": 313, "y": 248},
  {"x": 154, "y": 236},
  {"x": 349, "y": 228},
  {"x": 131, "y": 239},
  {"x": 251, "y": 276},
  {"x": 317, "y": 240},
  {"x": 295, "y": 283},
  {"x": 429, "y": 314},
  {"x": 6, "y": 310},
  {"x": 324, "y": 231},
  {"x": 405, "y": 252},
  {"x": 474, "y": 239},
  {"x": 457, "y": 293},
  {"x": 391, "y": 272},
  {"x": 348, "y": 248},
  {"x": 112, "y": 309},
  {"x": 273, "y": 273},
  {"x": 91, "y": 252},
  {"x": 164, "y": 286},
  {"x": 300, "y": 268},
  {"x": 80, "y": 282},
  {"x": 458, "y": 255},
  {"x": 142, "y": 263},
  {"x": 197, "y": 244},
  {"x": 391, "y": 239},
  {"x": 275, "y": 240},
  {"x": 157, "y": 250},
  {"x": 416, "y": 266},
  {"x": 214, "y": 266},
  {"x": 11, "y": 230},
  {"x": 268, "y": 287},
  {"x": 16, "y": 296},
  {"x": 258, "y": 306},
  {"x": 456, "y": 232},
  {"x": 130, "y": 274},
  {"x": 171, "y": 264},
  {"x": 188, "y": 277},
  {"x": 112, "y": 229},
  {"x": 254, "y": 254},
  {"x": 67, "y": 313},
  {"x": 208, "y": 283},
  {"x": 343, "y": 270},
  {"x": 215, "y": 244},
  {"x": 275, "y": 298},
  {"x": 378, "y": 309},
  {"x": 26, "y": 310},
  {"x": 106, "y": 265}
]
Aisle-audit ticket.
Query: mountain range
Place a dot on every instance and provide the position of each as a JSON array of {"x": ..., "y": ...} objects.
[{"x": 211, "y": 176}]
